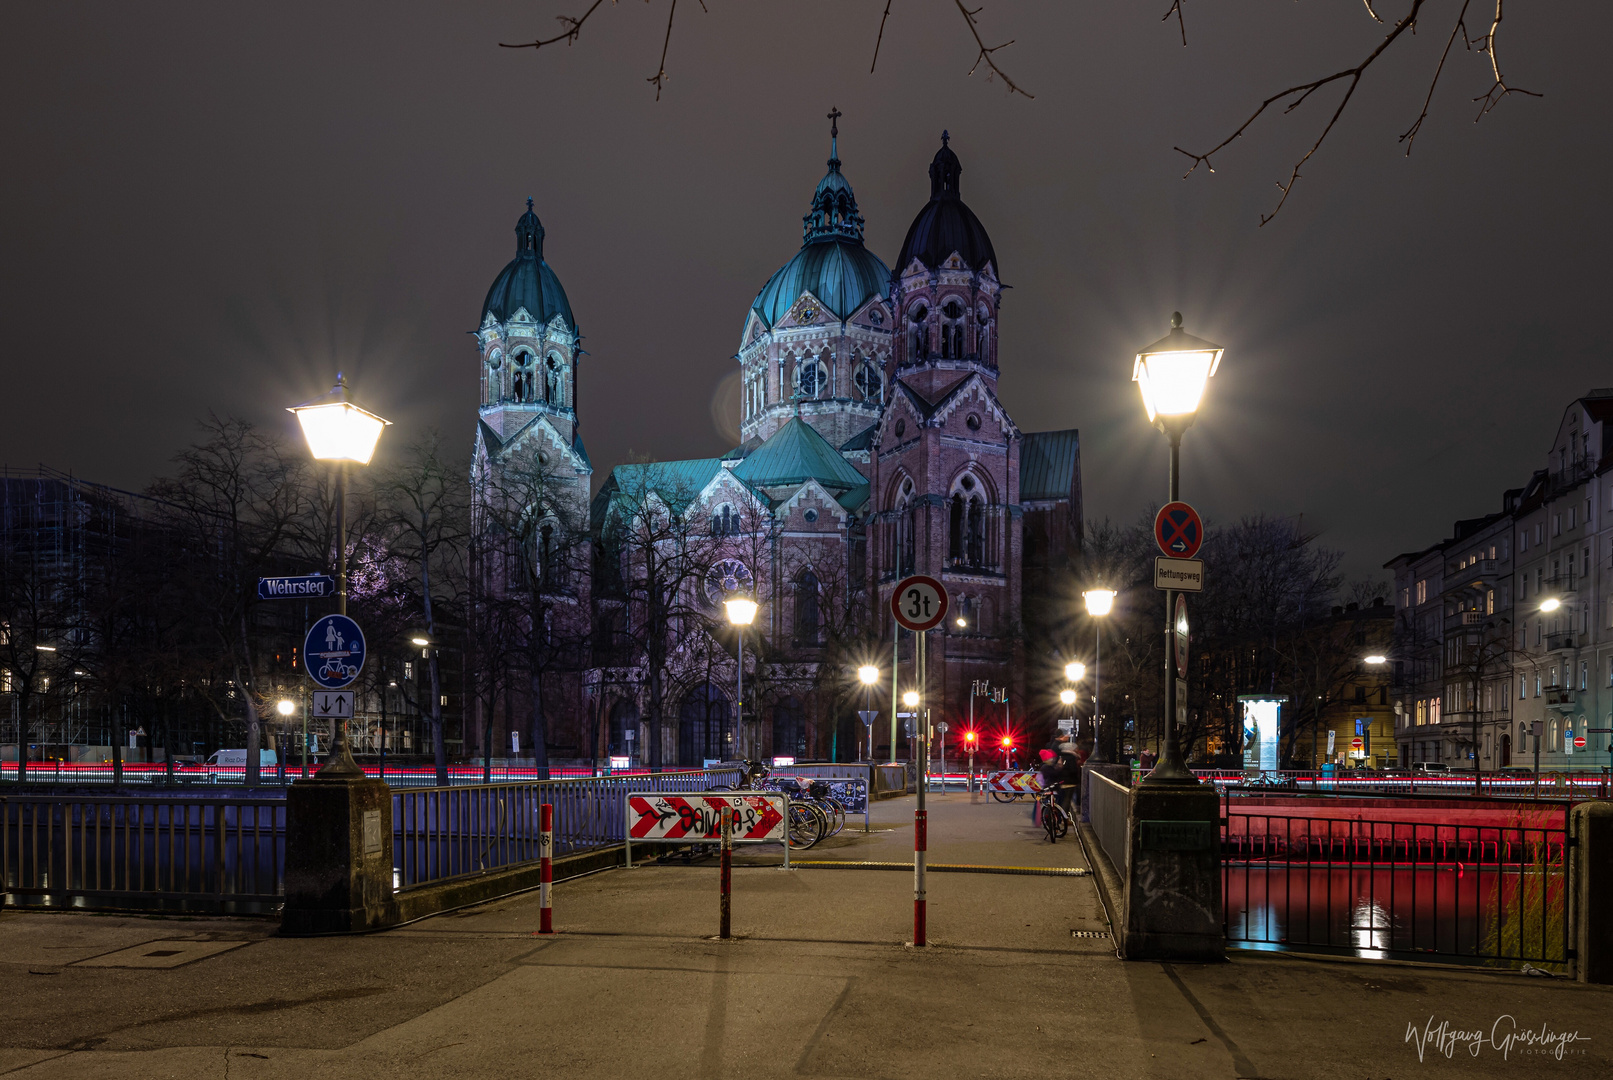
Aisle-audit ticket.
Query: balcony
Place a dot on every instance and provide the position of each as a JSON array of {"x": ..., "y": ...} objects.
[
  {"x": 1560, "y": 698},
  {"x": 1565, "y": 640}
]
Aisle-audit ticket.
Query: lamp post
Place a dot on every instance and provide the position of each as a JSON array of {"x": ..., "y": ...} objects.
[
  {"x": 285, "y": 707},
  {"x": 1172, "y": 374},
  {"x": 741, "y": 612},
  {"x": 339, "y": 431},
  {"x": 868, "y": 675},
  {"x": 1099, "y": 603}
]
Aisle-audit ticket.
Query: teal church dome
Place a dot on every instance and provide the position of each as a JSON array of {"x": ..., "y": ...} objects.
[{"x": 832, "y": 264}]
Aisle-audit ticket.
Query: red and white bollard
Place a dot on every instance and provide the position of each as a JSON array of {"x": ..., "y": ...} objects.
[
  {"x": 921, "y": 821},
  {"x": 727, "y": 863},
  {"x": 545, "y": 867}
]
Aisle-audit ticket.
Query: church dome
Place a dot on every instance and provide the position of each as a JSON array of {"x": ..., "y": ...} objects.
[
  {"x": 527, "y": 282},
  {"x": 946, "y": 224},
  {"x": 832, "y": 264}
]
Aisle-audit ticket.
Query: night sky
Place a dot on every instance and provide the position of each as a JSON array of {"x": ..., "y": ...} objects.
[{"x": 215, "y": 207}]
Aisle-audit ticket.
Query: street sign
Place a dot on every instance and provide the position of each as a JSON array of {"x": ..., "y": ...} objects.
[
  {"x": 1579, "y": 742},
  {"x": 1357, "y": 743},
  {"x": 620, "y": 761},
  {"x": 1067, "y": 724},
  {"x": 1179, "y": 627},
  {"x": 333, "y": 705},
  {"x": 1358, "y": 726},
  {"x": 758, "y": 817},
  {"x": 867, "y": 716},
  {"x": 1330, "y": 736},
  {"x": 334, "y": 651},
  {"x": 296, "y": 588},
  {"x": 1022, "y": 782},
  {"x": 1183, "y": 575},
  {"x": 919, "y": 603},
  {"x": 1178, "y": 530}
]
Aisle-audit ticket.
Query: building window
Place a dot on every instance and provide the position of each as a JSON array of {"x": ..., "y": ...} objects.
[
  {"x": 811, "y": 378},
  {"x": 1584, "y": 674},
  {"x": 1489, "y": 602},
  {"x": 870, "y": 384},
  {"x": 1405, "y": 598},
  {"x": 952, "y": 330},
  {"x": 807, "y": 618},
  {"x": 1422, "y": 591}
]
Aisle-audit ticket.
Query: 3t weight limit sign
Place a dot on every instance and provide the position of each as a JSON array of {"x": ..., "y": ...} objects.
[{"x": 919, "y": 603}]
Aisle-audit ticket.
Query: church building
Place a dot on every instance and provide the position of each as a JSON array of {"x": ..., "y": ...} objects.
[{"x": 873, "y": 447}]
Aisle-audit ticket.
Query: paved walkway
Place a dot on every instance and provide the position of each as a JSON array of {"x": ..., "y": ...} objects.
[{"x": 817, "y": 984}]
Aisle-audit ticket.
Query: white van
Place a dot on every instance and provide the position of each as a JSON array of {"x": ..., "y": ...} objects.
[
  {"x": 1430, "y": 768},
  {"x": 237, "y": 758}
]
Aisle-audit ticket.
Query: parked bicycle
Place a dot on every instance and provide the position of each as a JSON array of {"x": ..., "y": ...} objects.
[{"x": 1055, "y": 819}]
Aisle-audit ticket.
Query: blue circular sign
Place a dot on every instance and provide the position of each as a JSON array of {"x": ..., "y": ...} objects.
[{"x": 334, "y": 652}]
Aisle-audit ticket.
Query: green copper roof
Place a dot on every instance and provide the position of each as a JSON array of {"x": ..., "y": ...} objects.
[
  {"x": 1049, "y": 464},
  {"x": 832, "y": 264},
  {"x": 795, "y": 454}
]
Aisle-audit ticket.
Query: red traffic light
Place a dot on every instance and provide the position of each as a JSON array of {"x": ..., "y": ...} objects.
[
  {"x": 969, "y": 737},
  {"x": 1008, "y": 740}
]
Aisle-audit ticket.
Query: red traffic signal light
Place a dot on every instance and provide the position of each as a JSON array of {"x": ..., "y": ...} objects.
[
  {"x": 1008, "y": 741},
  {"x": 969, "y": 737}
]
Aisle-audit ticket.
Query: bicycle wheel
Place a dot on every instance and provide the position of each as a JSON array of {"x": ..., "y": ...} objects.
[
  {"x": 1005, "y": 796},
  {"x": 807, "y": 825},
  {"x": 1050, "y": 821}
]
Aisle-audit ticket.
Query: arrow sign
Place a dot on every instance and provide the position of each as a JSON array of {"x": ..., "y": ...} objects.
[
  {"x": 296, "y": 588},
  {"x": 333, "y": 705},
  {"x": 697, "y": 818}
]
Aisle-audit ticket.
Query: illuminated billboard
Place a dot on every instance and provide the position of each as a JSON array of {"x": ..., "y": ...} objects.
[{"x": 1260, "y": 727}]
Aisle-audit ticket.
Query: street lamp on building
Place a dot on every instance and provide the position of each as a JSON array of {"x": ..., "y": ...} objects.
[
  {"x": 1172, "y": 375},
  {"x": 340, "y": 432},
  {"x": 1550, "y": 603},
  {"x": 741, "y": 612},
  {"x": 1099, "y": 603}
]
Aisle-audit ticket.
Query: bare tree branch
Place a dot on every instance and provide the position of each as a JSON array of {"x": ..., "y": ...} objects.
[
  {"x": 1298, "y": 94},
  {"x": 660, "y": 75},
  {"x": 1409, "y": 136},
  {"x": 881, "y": 36},
  {"x": 985, "y": 53},
  {"x": 1374, "y": 14},
  {"x": 572, "y": 25},
  {"x": 1492, "y": 97},
  {"x": 1176, "y": 9}
]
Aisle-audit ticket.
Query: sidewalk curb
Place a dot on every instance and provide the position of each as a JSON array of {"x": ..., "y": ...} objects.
[{"x": 1110, "y": 887}]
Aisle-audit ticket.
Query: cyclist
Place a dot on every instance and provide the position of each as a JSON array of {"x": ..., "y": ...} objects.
[{"x": 1061, "y": 768}]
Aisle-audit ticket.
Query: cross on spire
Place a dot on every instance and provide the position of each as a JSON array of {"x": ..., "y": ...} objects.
[
  {"x": 944, "y": 138},
  {"x": 834, "y": 120},
  {"x": 529, "y": 202}
]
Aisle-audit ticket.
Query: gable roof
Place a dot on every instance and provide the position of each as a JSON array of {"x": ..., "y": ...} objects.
[
  {"x": 795, "y": 454},
  {"x": 1049, "y": 462}
]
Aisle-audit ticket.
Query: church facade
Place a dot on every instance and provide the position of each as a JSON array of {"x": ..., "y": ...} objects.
[{"x": 873, "y": 446}]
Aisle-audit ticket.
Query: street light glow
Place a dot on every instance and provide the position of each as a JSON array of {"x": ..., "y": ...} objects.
[
  {"x": 911, "y": 699},
  {"x": 963, "y": 623},
  {"x": 1075, "y": 671},
  {"x": 741, "y": 612},
  {"x": 1173, "y": 372},
  {"x": 421, "y": 641},
  {"x": 338, "y": 430},
  {"x": 285, "y": 707},
  {"x": 868, "y": 674},
  {"x": 1099, "y": 601},
  {"x": 1067, "y": 696},
  {"x": 1551, "y": 603},
  {"x": 1376, "y": 658}
]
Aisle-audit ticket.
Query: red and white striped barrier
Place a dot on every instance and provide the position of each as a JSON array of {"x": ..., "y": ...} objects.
[
  {"x": 1022, "y": 783},
  {"x": 921, "y": 845},
  {"x": 545, "y": 867}
]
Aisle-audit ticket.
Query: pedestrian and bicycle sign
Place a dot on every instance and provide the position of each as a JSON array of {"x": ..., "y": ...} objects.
[
  {"x": 306, "y": 587},
  {"x": 334, "y": 652},
  {"x": 1178, "y": 530},
  {"x": 919, "y": 603}
]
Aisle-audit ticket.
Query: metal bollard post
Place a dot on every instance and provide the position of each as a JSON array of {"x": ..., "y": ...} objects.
[
  {"x": 727, "y": 885},
  {"x": 921, "y": 819},
  {"x": 545, "y": 867}
]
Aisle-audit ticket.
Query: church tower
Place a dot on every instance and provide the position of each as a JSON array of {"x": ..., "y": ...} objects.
[
  {"x": 818, "y": 334},
  {"x": 531, "y": 553}
]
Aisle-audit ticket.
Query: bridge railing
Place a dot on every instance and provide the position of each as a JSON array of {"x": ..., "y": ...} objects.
[
  {"x": 1411, "y": 886},
  {"x": 448, "y": 832},
  {"x": 215, "y": 855},
  {"x": 1111, "y": 805}
]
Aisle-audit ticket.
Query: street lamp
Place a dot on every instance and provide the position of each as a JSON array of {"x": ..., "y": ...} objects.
[
  {"x": 1075, "y": 671},
  {"x": 741, "y": 612},
  {"x": 1550, "y": 603},
  {"x": 1067, "y": 697},
  {"x": 1099, "y": 603},
  {"x": 911, "y": 699},
  {"x": 285, "y": 707},
  {"x": 1172, "y": 374},
  {"x": 1376, "y": 659},
  {"x": 339, "y": 431},
  {"x": 868, "y": 674}
]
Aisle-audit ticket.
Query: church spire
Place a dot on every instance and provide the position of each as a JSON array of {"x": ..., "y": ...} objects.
[{"x": 834, "y": 206}]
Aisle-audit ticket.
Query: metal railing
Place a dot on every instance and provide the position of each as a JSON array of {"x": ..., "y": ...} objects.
[
  {"x": 1492, "y": 893},
  {"x": 1589, "y": 783},
  {"x": 448, "y": 832},
  {"x": 271, "y": 778},
  {"x": 218, "y": 855},
  {"x": 1111, "y": 805}
]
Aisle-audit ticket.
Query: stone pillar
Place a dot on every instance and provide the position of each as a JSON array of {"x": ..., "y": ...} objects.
[
  {"x": 1173, "y": 875},
  {"x": 338, "y": 856},
  {"x": 1591, "y": 882}
]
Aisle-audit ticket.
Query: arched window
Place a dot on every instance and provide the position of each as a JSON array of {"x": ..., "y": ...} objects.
[
  {"x": 789, "y": 729},
  {"x": 870, "y": 384},
  {"x": 495, "y": 378},
  {"x": 918, "y": 334},
  {"x": 724, "y": 521},
  {"x": 811, "y": 378},
  {"x": 553, "y": 390},
  {"x": 983, "y": 334},
  {"x": 952, "y": 330},
  {"x": 546, "y": 554},
  {"x": 704, "y": 732},
  {"x": 524, "y": 379},
  {"x": 907, "y": 528},
  {"x": 968, "y": 523},
  {"x": 808, "y": 618}
]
